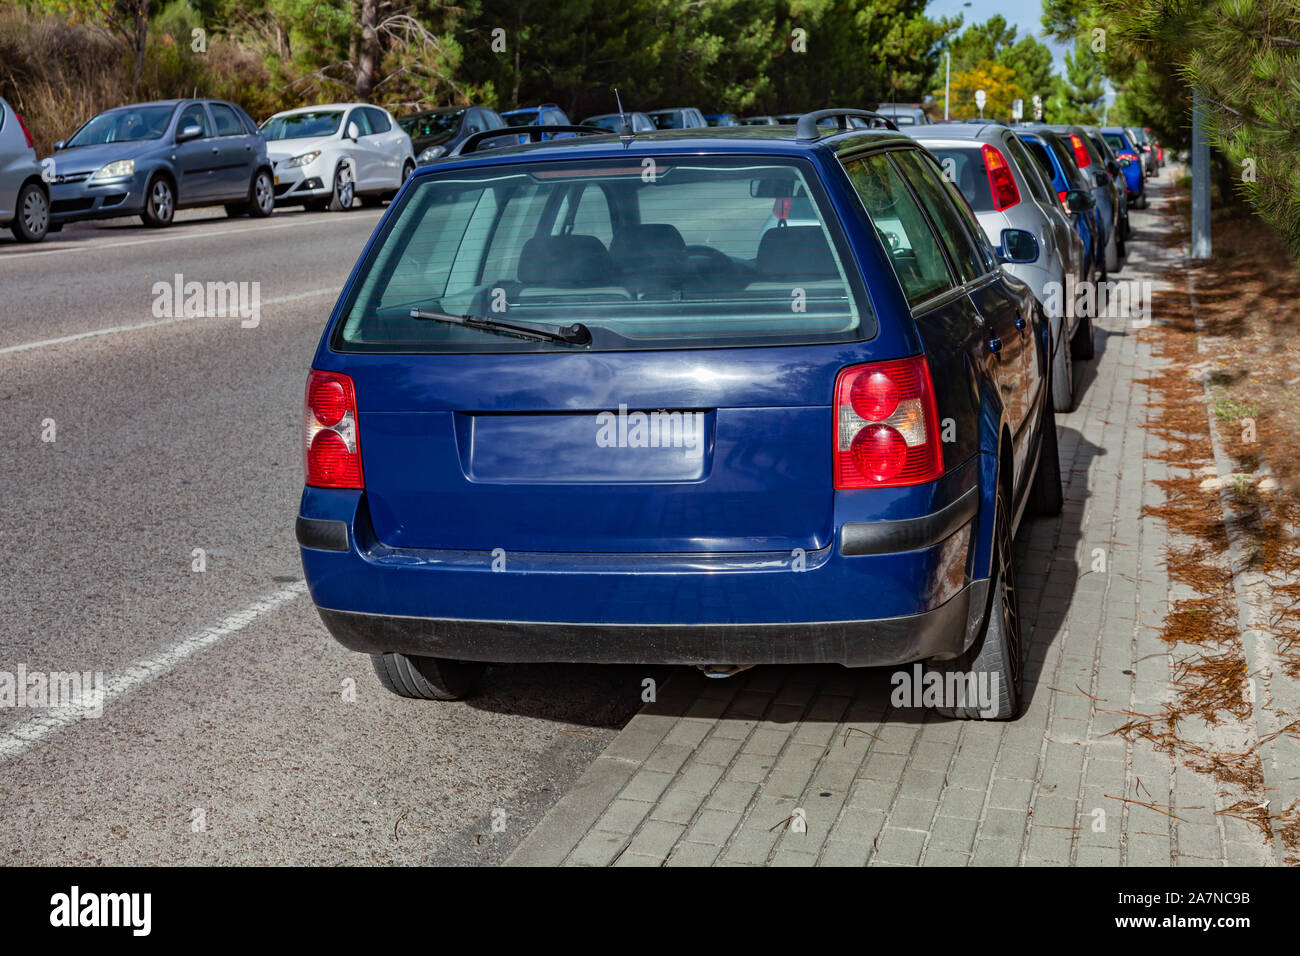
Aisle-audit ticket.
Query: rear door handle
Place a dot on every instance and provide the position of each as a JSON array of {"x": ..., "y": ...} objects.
[
  {"x": 1020, "y": 322},
  {"x": 995, "y": 345}
]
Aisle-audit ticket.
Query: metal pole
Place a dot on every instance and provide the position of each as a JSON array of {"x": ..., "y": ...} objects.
[
  {"x": 947, "y": 76},
  {"x": 1200, "y": 182}
]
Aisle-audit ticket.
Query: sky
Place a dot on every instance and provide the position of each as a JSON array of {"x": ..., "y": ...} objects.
[{"x": 1023, "y": 14}]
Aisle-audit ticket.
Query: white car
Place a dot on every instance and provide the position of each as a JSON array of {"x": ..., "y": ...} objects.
[{"x": 326, "y": 156}]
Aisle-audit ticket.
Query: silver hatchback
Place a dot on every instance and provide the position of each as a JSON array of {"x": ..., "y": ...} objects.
[
  {"x": 24, "y": 197},
  {"x": 1005, "y": 189}
]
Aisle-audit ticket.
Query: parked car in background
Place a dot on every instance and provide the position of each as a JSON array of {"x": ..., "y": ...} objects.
[
  {"x": 482, "y": 484},
  {"x": 614, "y": 122},
  {"x": 548, "y": 114},
  {"x": 435, "y": 133},
  {"x": 152, "y": 159},
  {"x": 1006, "y": 191},
  {"x": 24, "y": 197},
  {"x": 326, "y": 156},
  {"x": 683, "y": 117},
  {"x": 1077, "y": 199},
  {"x": 758, "y": 121},
  {"x": 1115, "y": 169},
  {"x": 1129, "y": 156},
  {"x": 1100, "y": 217},
  {"x": 721, "y": 119},
  {"x": 1110, "y": 198},
  {"x": 904, "y": 114},
  {"x": 1150, "y": 161}
]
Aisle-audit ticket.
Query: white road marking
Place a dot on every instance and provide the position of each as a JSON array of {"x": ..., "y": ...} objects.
[
  {"x": 90, "y": 245},
  {"x": 63, "y": 340},
  {"x": 23, "y": 736}
]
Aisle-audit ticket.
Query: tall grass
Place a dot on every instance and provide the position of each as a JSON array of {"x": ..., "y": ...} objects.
[{"x": 58, "y": 74}]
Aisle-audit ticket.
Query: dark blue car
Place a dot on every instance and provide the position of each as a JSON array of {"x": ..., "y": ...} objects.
[
  {"x": 1130, "y": 158},
  {"x": 596, "y": 401},
  {"x": 1058, "y": 165}
]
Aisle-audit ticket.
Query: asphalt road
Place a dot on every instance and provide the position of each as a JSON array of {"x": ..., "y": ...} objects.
[{"x": 229, "y": 735}]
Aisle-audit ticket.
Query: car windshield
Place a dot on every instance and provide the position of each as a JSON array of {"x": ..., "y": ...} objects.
[
  {"x": 302, "y": 125},
  {"x": 130, "y": 124},
  {"x": 902, "y": 119},
  {"x": 612, "y": 122},
  {"x": 647, "y": 254},
  {"x": 521, "y": 119},
  {"x": 439, "y": 125}
]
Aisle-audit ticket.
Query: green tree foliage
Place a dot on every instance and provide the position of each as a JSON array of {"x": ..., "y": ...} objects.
[
  {"x": 995, "y": 42},
  {"x": 1077, "y": 97}
]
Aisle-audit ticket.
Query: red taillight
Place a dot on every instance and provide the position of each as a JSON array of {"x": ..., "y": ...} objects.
[
  {"x": 26, "y": 132},
  {"x": 886, "y": 426},
  {"x": 1001, "y": 180},
  {"x": 1081, "y": 157},
  {"x": 331, "y": 442},
  {"x": 781, "y": 208},
  {"x": 1065, "y": 202},
  {"x": 1160, "y": 153},
  {"x": 1131, "y": 157}
]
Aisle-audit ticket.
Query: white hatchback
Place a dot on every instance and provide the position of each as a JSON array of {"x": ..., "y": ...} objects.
[{"x": 327, "y": 156}]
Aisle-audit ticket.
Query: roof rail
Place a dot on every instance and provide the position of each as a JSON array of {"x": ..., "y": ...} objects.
[
  {"x": 807, "y": 127},
  {"x": 534, "y": 133}
]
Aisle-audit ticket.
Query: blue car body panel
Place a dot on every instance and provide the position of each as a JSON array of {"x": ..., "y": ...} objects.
[
  {"x": 1086, "y": 224},
  {"x": 648, "y": 558},
  {"x": 1133, "y": 178}
]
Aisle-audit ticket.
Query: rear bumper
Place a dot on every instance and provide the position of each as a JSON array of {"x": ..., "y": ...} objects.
[
  {"x": 883, "y": 592},
  {"x": 941, "y": 633}
]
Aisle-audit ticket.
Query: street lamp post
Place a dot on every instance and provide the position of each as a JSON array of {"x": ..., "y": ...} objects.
[{"x": 947, "y": 77}]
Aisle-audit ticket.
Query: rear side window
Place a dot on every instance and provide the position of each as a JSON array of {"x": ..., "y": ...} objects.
[
  {"x": 1029, "y": 171},
  {"x": 704, "y": 251},
  {"x": 226, "y": 121},
  {"x": 963, "y": 166},
  {"x": 362, "y": 122},
  {"x": 1117, "y": 142},
  {"x": 942, "y": 208},
  {"x": 378, "y": 120},
  {"x": 913, "y": 250},
  {"x": 1039, "y": 152}
]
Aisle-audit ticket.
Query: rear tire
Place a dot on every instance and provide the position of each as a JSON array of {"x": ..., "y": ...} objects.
[
  {"x": 1112, "y": 252},
  {"x": 999, "y": 651},
  {"x": 1046, "y": 497},
  {"x": 1063, "y": 373},
  {"x": 261, "y": 195},
  {"x": 1082, "y": 346},
  {"x": 427, "y": 678}
]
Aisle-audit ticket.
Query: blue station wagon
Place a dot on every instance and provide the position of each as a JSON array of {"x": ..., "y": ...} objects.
[{"x": 606, "y": 400}]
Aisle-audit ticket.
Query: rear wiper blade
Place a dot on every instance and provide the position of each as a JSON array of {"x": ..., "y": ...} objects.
[{"x": 575, "y": 334}]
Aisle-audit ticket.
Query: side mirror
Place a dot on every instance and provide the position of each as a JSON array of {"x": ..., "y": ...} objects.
[
  {"x": 58, "y": 146},
  {"x": 354, "y": 132},
  {"x": 1125, "y": 163},
  {"x": 1018, "y": 246},
  {"x": 1080, "y": 200},
  {"x": 187, "y": 133},
  {"x": 1101, "y": 179},
  {"x": 1112, "y": 167}
]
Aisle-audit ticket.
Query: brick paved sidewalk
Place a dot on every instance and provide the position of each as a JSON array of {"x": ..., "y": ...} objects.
[{"x": 714, "y": 770}]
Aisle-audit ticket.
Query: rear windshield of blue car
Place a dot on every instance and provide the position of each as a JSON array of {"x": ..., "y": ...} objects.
[{"x": 679, "y": 252}]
